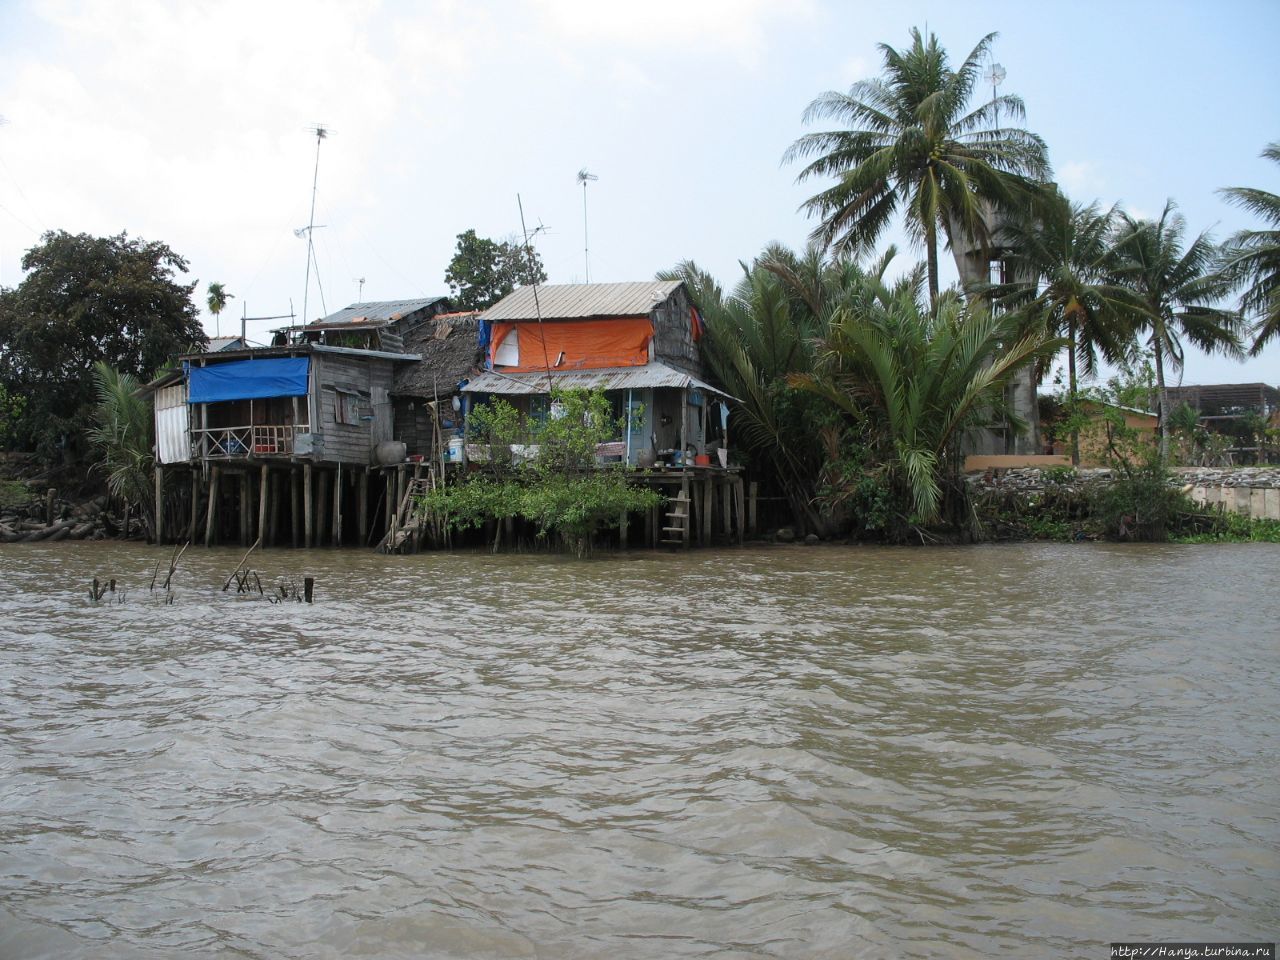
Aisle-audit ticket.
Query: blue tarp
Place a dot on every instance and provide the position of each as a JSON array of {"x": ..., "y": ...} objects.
[{"x": 249, "y": 379}]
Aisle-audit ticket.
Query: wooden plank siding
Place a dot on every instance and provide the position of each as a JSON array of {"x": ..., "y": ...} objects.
[
  {"x": 347, "y": 442},
  {"x": 673, "y": 334}
]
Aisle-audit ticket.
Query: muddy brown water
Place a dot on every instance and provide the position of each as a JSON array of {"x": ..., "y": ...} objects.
[{"x": 785, "y": 752}]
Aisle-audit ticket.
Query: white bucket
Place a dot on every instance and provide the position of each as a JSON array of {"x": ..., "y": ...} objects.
[{"x": 454, "y": 454}]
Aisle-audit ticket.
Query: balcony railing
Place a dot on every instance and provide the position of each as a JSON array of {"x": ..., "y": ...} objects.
[{"x": 232, "y": 443}]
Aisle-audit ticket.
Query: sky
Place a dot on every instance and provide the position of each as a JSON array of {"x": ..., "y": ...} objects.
[{"x": 190, "y": 122}]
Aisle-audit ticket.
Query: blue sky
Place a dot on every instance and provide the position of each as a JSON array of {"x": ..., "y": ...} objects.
[{"x": 187, "y": 123}]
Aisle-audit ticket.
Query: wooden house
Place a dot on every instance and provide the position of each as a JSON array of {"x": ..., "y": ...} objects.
[
  {"x": 291, "y": 428},
  {"x": 637, "y": 342},
  {"x": 426, "y": 395}
]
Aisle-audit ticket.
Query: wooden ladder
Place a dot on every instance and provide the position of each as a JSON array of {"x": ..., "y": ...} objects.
[
  {"x": 406, "y": 522},
  {"x": 676, "y": 532}
]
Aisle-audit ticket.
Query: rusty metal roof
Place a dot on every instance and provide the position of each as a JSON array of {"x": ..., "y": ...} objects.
[
  {"x": 614, "y": 378},
  {"x": 375, "y": 313},
  {"x": 581, "y": 301}
]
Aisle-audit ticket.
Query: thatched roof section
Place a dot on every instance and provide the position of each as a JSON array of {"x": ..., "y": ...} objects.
[{"x": 447, "y": 345}]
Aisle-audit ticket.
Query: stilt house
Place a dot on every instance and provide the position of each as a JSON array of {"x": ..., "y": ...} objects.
[
  {"x": 637, "y": 342},
  {"x": 294, "y": 426}
]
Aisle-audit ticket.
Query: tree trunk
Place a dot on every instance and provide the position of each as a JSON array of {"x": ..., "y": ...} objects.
[
  {"x": 1162, "y": 403},
  {"x": 1072, "y": 388},
  {"x": 931, "y": 252}
]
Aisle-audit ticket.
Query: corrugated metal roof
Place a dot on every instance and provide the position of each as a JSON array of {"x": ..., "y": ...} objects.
[
  {"x": 580, "y": 301},
  {"x": 614, "y": 378},
  {"x": 380, "y": 311}
]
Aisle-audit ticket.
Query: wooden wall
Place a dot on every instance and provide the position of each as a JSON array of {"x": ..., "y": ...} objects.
[
  {"x": 673, "y": 335},
  {"x": 370, "y": 379}
]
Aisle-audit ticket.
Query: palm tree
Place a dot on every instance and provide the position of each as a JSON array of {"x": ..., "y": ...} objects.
[
  {"x": 1252, "y": 257},
  {"x": 1175, "y": 290},
  {"x": 218, "y": 298},
  {"x": 908, "y": 144},
  {"x": 122, "y": 434},
  {"x": 1063, "y": 250},
  {"x": 919, "y": 379}
]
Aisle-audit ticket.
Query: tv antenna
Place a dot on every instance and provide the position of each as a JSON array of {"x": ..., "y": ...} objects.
[
  {"x": 321, "y": 132},
  {"x": 995, "y": 76},
  {"x": 585, "y": 177}
]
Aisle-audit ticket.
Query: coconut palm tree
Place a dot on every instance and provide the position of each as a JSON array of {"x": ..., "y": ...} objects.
[
  {"x": 909, "y": 143},
  {"x": 1175, "y": 290},
  {"x": 1062, "y": 250},
  {"x": 218, "y": 298},
  {"x": 920, "y": 378},
  {"x": 1252, "y": 258}
]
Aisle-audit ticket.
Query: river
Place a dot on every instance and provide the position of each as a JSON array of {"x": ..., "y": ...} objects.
[{"x": 1025, "y": 750}]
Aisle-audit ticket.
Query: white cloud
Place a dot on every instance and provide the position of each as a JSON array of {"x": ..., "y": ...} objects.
[{"x": 1081, "y": 180}]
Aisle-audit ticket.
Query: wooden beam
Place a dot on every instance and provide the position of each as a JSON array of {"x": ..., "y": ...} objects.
[
  {"x": 306, "y": 505},
  {"x": 726, "y": 506},
  {"x": 622, "y": 529},
  {"x": 244, "y": 509},
  {"x": 362, "y": 505},
  {"x": 337, "y": 506},
  {"x": 264, "y": 497},
  {"x": 211, "y": 513},
  {"x": 708, "y": 504},
  {"x": 322, "y": 508},
  {"x": 195, "y": 504},
  {"x": 295, "y": 505},
  {"x": 273, "y": 511},
  {"x": 159, "y": 531},
  {"x": 738, "y": 498},
  {"x": 751, "y": 507}
]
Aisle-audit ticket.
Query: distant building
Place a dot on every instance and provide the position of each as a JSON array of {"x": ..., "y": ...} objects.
[{"x": 1242, "y": 411}]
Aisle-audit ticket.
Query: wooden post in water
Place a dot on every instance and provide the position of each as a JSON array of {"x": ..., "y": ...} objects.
[
  {"x": 306, "y": 504},
  {"x": 244, "y": 509},
  {"x": 751, "y": 508},
  {"x": 362, "y": 505},
  {"x": 738, "y": 504},
  {"x": 684, "y": 495},
  {"x": 273, "y": 512},
  {"x": 726, "y": 506},
  {"x": 159, "y": 504},
  {"x": 622, "y": 530},
  {"x": 337, "y": 506},
  {"x": 708, "y": 508},
  {"x": 264, "y": 491},
  {"x": 211, "y": 514},
  {"x": 308, "y": 588},
  {"x": 195, "y": 504},
  {"x": 295, "y": 507},
  {"x": 322, "y": 508},
  {"x": 391, "y": 500}
]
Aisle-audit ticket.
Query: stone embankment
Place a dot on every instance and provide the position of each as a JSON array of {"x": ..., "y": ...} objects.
[{"x": 1250, "y": 491}]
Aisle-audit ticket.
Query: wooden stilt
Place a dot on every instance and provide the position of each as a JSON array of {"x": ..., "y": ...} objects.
[
  {"x": 751, "y": 508},
  {"x": 306, "y": 505},
  {"x": 322, "y": 509},
  {"x": 273, "y": 511},
  {"x": 622, "y": 529},
  {"x": 337, "y": 506},
  {"x": 725, "y": 485},
  {"x": 362, "y": 505},
  {"x": 264, "y": 491},
  {"x": 708, "y": 493},
  {"x": 390, "y": 518},
  {"x": 211, "y": 514},
  {"x": 739, "y": 499},
  {"x": 295, "y": 507},
  {"x": 195, "y": 504},
  {"x": 159, "y": 531},
  {"x": 244, "y": 509}
]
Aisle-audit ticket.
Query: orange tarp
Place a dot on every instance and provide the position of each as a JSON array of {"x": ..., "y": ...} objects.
[{"x": 578, "y": 344}]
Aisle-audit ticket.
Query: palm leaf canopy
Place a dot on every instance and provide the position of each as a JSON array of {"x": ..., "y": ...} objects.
[{"x": 1251, "y": 258}]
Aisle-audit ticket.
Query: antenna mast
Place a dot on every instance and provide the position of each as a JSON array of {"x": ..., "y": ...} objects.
[
  {"x": 321, "y": 131},
  {"x": 584, "y": 177}
]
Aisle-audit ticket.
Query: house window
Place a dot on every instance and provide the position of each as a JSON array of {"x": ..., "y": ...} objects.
[
  {"x": 346, "y": 407},
  {"x": 508, "y": 352}
]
